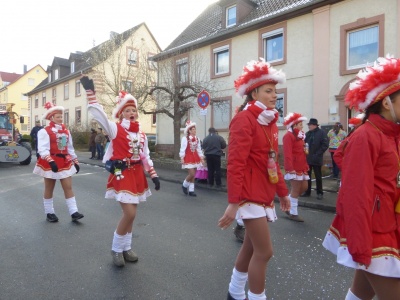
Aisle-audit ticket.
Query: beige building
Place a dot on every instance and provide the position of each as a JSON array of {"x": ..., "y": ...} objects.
[
  {"x": 13, "y": 89},
  {"x": 120, "y": 63},
  {"x": 320, "y": 45}
]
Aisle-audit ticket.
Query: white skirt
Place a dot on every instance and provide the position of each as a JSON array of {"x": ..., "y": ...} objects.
[
  {"x": 251, "y": 210},
  {"x": 127, "y": 197},
  {"x": 296, "y": 177},
  {"x": 385, "y": 265},
  {"x": 51, "y": 175}
]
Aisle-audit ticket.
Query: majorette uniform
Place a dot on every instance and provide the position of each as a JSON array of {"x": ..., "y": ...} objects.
[
  {"x": 190, "y": 152},
  {"x": 55, "y": 143},
  {"x": 133, "y": 187},
  {"x": 247, "y": 174},
  {"x": 366, "y": 201},
  {"x": 294, "y": 156}
]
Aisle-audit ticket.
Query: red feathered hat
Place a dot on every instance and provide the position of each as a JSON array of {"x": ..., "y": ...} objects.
[
  {"x": 255, "y": 74},
  {"x": 189, "y": 124},
  {"x": 123, "y": 100},
  {"x": 374, "y": 83},
  {"x": 354, "y": 122},
  {"x": 292, "y": 119},
  {"x": 51, "y": 110}
]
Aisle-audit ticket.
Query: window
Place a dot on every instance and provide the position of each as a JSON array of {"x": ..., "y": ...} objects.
[
  {"x": 127, "y": 86},
  {"x": 281, "y": 105},
  {"x": 49, "y": 77},
  {"x": 220, "y": 59},
  {"x": 77, "y": 88},
  {"x": 43, "y": 98},
  {"x": 72, "y": 66},
  {"x": 154, "y": 119},
  {"x": 182, "y": 70},
  {"x": 54, "y": 93},
  {"x": 361, "y": 43},
  {"x": 31, "y": 81},
  {"x": 56, "y": 74},
  {"x": 272, "y": 44},
  {"x": 362, "y": 47},
  {"x": 36, "y": 101},
  {"x": 78, "y": 116},
  {"x": 66, "y": 91},
  {"x": 221, "y": 113},
  {"x": 66, "y": 117},
  {"x": 231, "y": 16},
  {"x": 132, "y": 57}
]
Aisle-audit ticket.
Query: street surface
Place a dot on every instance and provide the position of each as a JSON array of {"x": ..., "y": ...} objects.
[{"x": 182, "y": 253}]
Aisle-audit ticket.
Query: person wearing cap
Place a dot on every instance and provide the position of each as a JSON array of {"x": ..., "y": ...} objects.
[
  {"x": 318, "y": 143},
  {"x": 254, "y": 176},
  {"x": 57, "y": 160},
  {"x": 127, "y": 157},
  {"x": 336, "y": 135},
  {"x": 191, "y": 157},
  {"x": 213, "y": 144},
  {"x": 295, "y": 161},
  {"x": 33, "y": 135},
  {"x": 365, "y": 232}
]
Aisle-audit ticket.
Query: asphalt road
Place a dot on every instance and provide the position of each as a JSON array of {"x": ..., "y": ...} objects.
[{"x": 182, "y": 252}]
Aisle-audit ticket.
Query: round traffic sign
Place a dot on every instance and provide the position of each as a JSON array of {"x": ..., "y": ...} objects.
[{"x": 203, "y": 99}]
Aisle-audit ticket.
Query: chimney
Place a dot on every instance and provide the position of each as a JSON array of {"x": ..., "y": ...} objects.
[
  {"x": 25, "y": 69},
  {"x": 113, "y": 34}
]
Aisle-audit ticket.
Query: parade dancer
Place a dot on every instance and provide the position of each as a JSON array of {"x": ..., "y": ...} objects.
[
  {"x": 191, "y": 157},
  {"x": 365, "y": 233},
  {"x": 57, "y": 160},
  {"x": 254, "y": 176},
  {"x": 126, "y": 158},
  {"x": 295, "y": 161}
]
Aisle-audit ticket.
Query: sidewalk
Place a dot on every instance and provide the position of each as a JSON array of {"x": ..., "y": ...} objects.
[{"x": 170, "y": 170}]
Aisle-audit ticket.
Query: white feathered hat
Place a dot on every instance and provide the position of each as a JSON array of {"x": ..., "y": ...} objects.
[
  {"x": 255, "y": 74},
  {"x": 189, "y": 124},
  {"x": 123, "y": 100},
  {"x": 292, "y": 119},
  {"x": 51, "y": 110}
]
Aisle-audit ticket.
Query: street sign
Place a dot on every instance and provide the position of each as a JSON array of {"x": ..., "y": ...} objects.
[
  {"x": 203, "y": 99},
  {"x": 203, "y": 112}
]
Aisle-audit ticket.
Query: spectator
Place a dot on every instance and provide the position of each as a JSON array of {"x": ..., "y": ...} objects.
[
  {"x": 17, "y": 135},
  {"x": 336, "y": 135},
  {"x": 92, "y": 143},
  {"x": 317, "y": 141},
  {"x": 100, "y": 141},
  {"x": 364, "y": 234},
  {"x": 34, "y": 133},
  {"x": 213, "y": 145}
]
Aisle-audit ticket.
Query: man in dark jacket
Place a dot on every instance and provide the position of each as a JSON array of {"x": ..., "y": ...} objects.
[
  {"x": 213, "y": 145},
  {"x": 92, "y": 143},
  {"x": 34, "y": 133},
  {"x": 318, "y": 143}
]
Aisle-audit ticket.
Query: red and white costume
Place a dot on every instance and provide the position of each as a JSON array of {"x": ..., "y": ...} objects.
[
  {"x": 133, "y": 187},
  {"x": 295, "y": 159},
  {"x": 365, "y": 233},
  {"x": 55, "y": 144},
  {"x": 251, "y": 133},
  {"x": 190, "y": 152}
]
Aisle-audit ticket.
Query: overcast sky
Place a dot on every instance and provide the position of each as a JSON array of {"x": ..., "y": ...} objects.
[{"x": 33, "y": 32}]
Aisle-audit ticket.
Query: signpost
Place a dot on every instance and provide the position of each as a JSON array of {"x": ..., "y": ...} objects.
[{"x": 203, "y": 100}]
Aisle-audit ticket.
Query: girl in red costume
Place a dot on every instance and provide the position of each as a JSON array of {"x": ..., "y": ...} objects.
[
  {"x": 295, "y": 161},
  {"x": 365, "y": 234},
  {"x": 129, "y": 154},
  {"x": 57, "y": 160},
  {"x": 191, "y": 157},
  {"x": 254, "y": 176}
]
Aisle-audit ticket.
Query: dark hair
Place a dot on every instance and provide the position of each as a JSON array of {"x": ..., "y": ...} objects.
[{"x": 247, "y": 100}]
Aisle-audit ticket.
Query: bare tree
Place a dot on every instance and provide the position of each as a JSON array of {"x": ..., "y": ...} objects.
[
  {"x": 121, "y": 63},
  {"x": 180, "y": 80}
]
